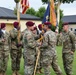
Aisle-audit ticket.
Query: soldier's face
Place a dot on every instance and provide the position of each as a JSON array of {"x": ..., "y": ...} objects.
[
  {"x": 34, "y": 31},
  {"x": 4, "y": 28},
  {"x": 45, "y": 27},
  {"x": 32, "y": 28},
  {"x": 66, "y": 28}
]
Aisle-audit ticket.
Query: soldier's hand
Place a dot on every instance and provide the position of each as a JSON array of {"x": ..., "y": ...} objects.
[
  {"x": 3, "y": 40},
  {"x": 71, "y": 52},
  {"x": 39, "y": 44}
]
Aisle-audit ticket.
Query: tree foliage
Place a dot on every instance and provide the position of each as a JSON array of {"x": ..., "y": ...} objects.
[
  {"x": 17, "y": 1},
  {"x": 31, "y": 11},
  {"x": 62, "y": 1},
  {"x": 40, "y": 12}
]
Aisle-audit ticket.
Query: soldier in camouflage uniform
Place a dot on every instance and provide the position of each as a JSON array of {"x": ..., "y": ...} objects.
[
  {"x": 4, "y": 49},
  {"x": 16, "y": 49},
  {"x": 37, "y": 36},
  {"x": 49, "y": 51},
  {"x": 29, "y": 49},
  {"x": 68, "y": 39}
]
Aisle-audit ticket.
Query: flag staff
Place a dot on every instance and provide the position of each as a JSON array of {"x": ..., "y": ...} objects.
[{"x": 18, "y": 19}]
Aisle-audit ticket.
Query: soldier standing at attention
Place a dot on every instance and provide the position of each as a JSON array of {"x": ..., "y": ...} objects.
[
  {"x": 4, "y": 49},
  {"x": 68, "y": 39},
  {"x": 16, "y": 49},
  {"x": 30, "y": 45},
  {"x": 49, "y": 51}
]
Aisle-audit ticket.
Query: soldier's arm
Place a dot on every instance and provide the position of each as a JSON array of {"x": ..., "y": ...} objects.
[
  {"x": 45, "y": 41},
  {"x": 72, "y": 36},
  {"x": 1, "y": 41},
  {"x": 13, "y": 34}
]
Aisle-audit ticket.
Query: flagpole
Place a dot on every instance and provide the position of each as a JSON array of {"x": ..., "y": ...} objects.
[
  {"x": 18, "y": 19},
  {"x": 58, "y": 13}
]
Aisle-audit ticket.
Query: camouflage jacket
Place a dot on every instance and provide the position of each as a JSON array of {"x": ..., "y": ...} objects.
[
  {"x": 68, "y": 39},
  {"x": 29, "y": 42},
  {"x": 14, "y": 40},
  {"x": 49, "y": 43},
  {"x": 6, "y": 44}
]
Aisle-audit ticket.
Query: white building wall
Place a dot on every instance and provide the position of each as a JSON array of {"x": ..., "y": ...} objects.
[{"x": 9, "y": 23}]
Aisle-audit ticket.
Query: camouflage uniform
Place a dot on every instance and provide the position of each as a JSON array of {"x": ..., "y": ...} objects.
[
  {"x": 49, "y": 53},
  {"x": 16, "y": 50},
  {"x": 39, "y": 66},
  {"x": 68, "y": 39},
  {"x": 29, "y": 52},
  {"x": 4, "y": 51},
  {"x": 60, "y": 39}
]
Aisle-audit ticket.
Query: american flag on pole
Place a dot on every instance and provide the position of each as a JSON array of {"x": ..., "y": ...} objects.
[{"x": 25, "y": 5}]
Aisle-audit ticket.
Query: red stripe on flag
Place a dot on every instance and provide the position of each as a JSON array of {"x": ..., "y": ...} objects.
[{"x": 25, "y": 5}]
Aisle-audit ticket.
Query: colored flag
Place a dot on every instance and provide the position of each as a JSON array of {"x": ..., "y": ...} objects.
[
  {"x": 46, "y": 14},
  {"x": 25, "y": 5},
  {"x": 52, "y": 13}
]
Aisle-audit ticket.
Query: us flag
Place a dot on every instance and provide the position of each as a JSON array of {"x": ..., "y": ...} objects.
[{"x": 25, "y": 5}]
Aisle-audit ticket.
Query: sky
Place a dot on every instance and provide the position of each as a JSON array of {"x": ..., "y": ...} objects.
[{"x": 68, "y": 9}]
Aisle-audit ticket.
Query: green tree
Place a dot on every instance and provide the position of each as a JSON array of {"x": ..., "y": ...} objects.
[
  {"x": 40, "y": 12},
  {"x": 17, "y": 1},
  {"x": 60, "y": 22},
  {"x": 62, "y": 1},
  {"x": 31, "y": 11}
]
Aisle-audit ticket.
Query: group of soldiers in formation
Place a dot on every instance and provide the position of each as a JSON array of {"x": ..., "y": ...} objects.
[{"x": 30, "y": 41}]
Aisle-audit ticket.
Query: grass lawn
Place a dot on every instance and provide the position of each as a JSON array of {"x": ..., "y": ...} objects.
[{"x": 59, "y": 54}]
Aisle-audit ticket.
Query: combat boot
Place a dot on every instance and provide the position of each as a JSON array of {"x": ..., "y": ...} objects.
[
  {"x": 40, "y": 71},
  {"x": 14, "y": 73},
  {"x": 3, "y": 73},
  {"x": 0, "y": 73},
  {"x": 18, "y": 73}
]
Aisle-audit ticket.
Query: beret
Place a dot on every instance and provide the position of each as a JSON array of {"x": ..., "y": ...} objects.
[
  {"x": 3, "y": 25},
  {"x": 65, "y": 24},
  {"x": 16, "y": 24},
  {"x": 35, "y": 28},
  {"x": 40, "y": 26},
  {"x": 47, "y": 23},
  {"x": 30, "y": 23}
]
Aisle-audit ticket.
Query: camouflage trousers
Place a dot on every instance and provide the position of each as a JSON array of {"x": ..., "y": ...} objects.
[
  {"x": 16, "y": 57},
  {"x": 47, "y": 61},
  {"x": 67, "y": 62},
  {"x": 29, "y": 63},
  {"x": 4, "y": 56}
]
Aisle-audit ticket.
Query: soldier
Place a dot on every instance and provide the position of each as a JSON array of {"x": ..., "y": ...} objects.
[
  {"x": 16, "y": 49},
  {"x": 49, "y": 51},
  {"x": 40, "y": 28},
  {"x": 68, "y": 39},
  {"x": 37, "y": 36},
  {"x": 4, "y": 49},
  {"x": 29, "y": 49},
  {"x": 57, "y": 35}
]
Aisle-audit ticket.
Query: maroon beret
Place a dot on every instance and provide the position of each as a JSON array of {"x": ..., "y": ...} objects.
[
  {"x": 30, "y": 23},
  {"x": 40, "y": 26},
  {"x": 35, "y": 28},
  {"x": 16, "y": 24},
  {"x": 3, "y": 25},
  {"x": 65, "y": 24},
  {"x": 47, "y": 23}
]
